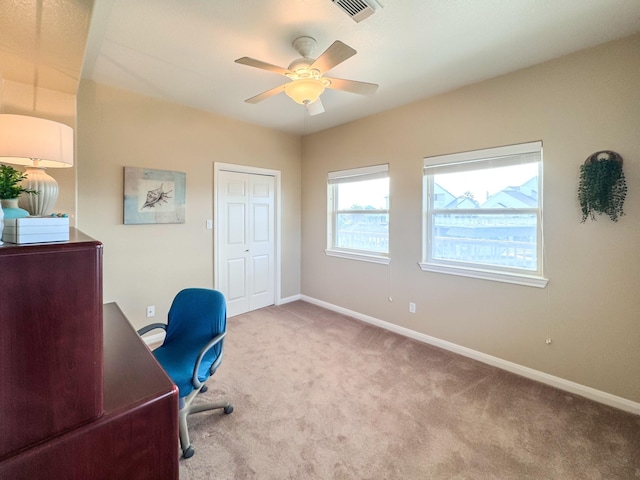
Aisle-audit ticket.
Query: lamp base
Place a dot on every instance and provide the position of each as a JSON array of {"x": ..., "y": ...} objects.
[{"x": 47, "y": 188}]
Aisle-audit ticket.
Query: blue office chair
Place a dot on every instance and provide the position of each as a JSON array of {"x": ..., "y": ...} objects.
[{"x": 192, "y": 350}]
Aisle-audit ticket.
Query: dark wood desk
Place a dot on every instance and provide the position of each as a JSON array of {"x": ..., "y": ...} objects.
[
  {"x": 134, "y": 435},
  {"x": 135, "y": 438}
]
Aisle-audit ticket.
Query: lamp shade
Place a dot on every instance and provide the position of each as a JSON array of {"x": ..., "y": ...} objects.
[
  {"x": 305, "y": 90},
  {"x": 28, "y": 140}
]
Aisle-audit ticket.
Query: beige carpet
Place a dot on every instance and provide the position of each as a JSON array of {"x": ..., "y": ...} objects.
[{"x": 318, "y": 395}]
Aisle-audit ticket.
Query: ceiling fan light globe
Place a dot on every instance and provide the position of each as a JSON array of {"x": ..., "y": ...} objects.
[{"x": 304, "y": 91}]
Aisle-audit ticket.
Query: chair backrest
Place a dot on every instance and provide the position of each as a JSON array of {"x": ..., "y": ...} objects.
[{"x": 196, "y": 316}]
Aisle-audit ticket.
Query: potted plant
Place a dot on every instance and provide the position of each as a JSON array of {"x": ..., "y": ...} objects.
[
  {"x": 602, "y": 187},
  {"x": 10, "y": 189}
]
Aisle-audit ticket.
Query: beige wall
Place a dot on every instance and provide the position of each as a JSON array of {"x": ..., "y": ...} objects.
[
  {"x": 576, "y": 105},
  {"x": 21, "y": 99},
  {"x": 148, "y": 264}
]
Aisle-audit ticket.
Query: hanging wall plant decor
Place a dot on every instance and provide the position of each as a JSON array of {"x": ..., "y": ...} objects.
[{"x": 602, "y": 187}]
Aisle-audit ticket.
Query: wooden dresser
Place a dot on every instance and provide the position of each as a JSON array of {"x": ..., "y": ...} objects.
[{"x": 81, "y": 396}]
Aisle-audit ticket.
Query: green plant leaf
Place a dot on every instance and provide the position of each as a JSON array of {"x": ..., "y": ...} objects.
[
  {"x": 10, "y": 179},
  {"x": 602, "y": 189}
]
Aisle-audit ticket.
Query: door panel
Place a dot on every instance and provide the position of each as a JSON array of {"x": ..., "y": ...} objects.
[
  {"x": 236, "y": 233},
  {"x": 237, "y": 187},
  {"x": 237, "y": 275},
  {"x": 261, "y": 274},
  {"x": 261, "y": 223},
  {"x": 232, "y": 225},
  {"x": 262, "y": 245}
]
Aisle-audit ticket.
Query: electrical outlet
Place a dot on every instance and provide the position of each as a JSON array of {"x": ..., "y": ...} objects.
[
  {"x": 548, "y": 341},
  {"x": 209, "y": 224},
  {"x": 412, "y": 307},
  {"x": 151, "y": 311}
]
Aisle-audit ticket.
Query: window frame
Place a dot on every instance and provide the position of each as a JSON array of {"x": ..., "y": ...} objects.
[
  {"x": 351, "y": 176},
  {"x": 471, "y": 160}
]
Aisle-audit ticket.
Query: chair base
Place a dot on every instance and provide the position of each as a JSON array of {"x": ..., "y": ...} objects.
[{"x": 187, "y": 409}]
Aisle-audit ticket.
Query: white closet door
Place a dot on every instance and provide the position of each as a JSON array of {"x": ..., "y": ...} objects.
[{"x": 247, "y": 240}]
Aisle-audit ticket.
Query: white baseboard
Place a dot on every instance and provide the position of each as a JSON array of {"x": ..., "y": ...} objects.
[
  {"x": 290, "y": 299},
  {"x": 561, "y": 383}
]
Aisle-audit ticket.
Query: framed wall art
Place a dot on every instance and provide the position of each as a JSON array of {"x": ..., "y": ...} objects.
[{"x": 153, "y": 196}]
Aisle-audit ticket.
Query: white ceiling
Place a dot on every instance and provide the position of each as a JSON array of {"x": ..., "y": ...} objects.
[
  {"x": 42, "y": 42},
  {"x": 184, "y": 50}
]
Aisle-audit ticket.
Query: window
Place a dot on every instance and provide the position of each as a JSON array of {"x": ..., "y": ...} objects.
[
  {"x": 483, "y": 214},
  {"x": 358, "y": 213}
]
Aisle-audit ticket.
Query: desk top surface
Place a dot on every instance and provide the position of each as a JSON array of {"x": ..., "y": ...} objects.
[{"x": 131, "y": 373}]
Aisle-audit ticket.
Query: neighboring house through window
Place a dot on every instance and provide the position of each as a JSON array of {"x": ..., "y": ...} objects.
[
  {"x": 483, "y": 214},
  {"x": 358, "y": 213}
]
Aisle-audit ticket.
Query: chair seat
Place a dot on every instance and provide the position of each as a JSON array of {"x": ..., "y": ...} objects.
[{"x": 178, "y": 360}]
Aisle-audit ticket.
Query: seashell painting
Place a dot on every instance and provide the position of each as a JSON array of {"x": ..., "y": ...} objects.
[{"x": 153, "y": 196}]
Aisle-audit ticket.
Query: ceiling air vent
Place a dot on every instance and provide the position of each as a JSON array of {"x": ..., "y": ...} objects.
[{"x": 358, "y": 10}]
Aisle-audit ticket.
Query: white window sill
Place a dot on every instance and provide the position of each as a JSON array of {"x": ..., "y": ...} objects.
[
  {"x": 363, "y": 257},
  {"x": 518, "y": 279}
]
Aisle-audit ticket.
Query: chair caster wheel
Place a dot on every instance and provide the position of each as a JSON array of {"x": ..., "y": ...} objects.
[
  {"x": 203, "y": 389},
  {"x": 228, "y": 409},
  {"x": 188, "y": 453}
]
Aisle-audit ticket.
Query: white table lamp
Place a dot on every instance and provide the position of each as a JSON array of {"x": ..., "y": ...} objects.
[{"x": 37, "y": 144}]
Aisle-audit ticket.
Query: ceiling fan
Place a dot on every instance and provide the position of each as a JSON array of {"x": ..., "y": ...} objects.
[{"x": 306, "y": 74}]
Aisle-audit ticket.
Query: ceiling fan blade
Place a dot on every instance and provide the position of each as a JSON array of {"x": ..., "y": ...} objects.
[
  {"x": 361, "y": 88},
  {"x": 252, "y": 62},
  {"x": 315, "y": 108},
  {"x": 337, "y": 53},
  {"x": 265, "y": 95}
]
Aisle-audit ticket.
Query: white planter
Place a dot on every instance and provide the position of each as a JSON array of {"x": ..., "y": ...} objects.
[{"x": 11, "y": 208}]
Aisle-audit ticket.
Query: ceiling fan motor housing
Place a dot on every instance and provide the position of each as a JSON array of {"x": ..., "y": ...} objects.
[
  {"x": 302, "y": 65},
  {"x": 305, "y": 46}
]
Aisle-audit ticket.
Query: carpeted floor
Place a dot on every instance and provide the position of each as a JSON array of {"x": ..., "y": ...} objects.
[{"x": 318, "y": 395}]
